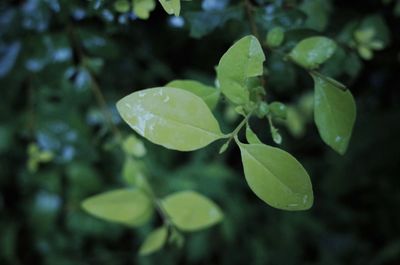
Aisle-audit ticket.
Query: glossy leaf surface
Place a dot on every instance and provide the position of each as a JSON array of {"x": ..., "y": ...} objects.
[
  {"x": 191, "y": 211},
  {"x": 242, "y": 61},
  {"x": 209, "y": 94},
  {"x": 276, "y": 177},
  {"x": 171, "y": 117},
  {"x": 334, "y": 114},
  {"x": 128, "y": 206},
  {"x": 312, "y": 52}
]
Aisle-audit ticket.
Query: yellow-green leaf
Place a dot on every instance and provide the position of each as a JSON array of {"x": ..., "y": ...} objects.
[
  {"x": 171, "y": 6},
  {"x": 334, "y": 114},
  {"x": 251, "y": 137},
  {"x": 276, "y": 177},
  {"x": 126, "y": 206},
  {"x": 191, "y": 211},
  {"x": 142, "y": 8},
  {"x": 237, "y": 66},
  {"x": 209, "y": 94},
  {"x": 313, "y": 51},
  {"x": 133, "y": 146},
  {"x": 171, "y": 117},
  {"x": 154, "y": 241}
]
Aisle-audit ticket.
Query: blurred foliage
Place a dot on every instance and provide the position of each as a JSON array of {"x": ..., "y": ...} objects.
[{"x": 64, "y": 64}]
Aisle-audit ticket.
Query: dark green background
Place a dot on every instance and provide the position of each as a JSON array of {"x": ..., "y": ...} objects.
[{"x": 47, "y": 98}]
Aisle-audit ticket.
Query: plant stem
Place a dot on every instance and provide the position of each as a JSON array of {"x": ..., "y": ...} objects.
[{"x": 234, "y": 133}]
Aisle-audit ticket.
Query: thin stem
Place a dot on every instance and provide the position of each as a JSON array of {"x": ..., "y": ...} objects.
[
  {"x": 249, "y": 10},
  {"x": 80, "y": 55},
  {"x": 235, "y": 132}
]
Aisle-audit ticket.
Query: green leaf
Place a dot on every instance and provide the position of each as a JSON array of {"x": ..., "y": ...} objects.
[
  {"x": 154, "y": 241},
  {"x": 275, "y": 37},
  {"x": 334, "y": 114},
  {"x": 121, "y": 6},
  {"x": 133, "y": 174},
  {"x": 126, "y": 206},
  {"x": 133, "y": 146},
  {"x": 278, "y": 110},
  {"x": 171, "y": 117},
  {"x": 142, "y": 8},
  {"x": 251, "y": 137},
  {"x": 171, "y": 6},
  {"x": 276, "y": 177},
  {"x": 312, "y": 52},
  {"x": 191, "y": 211},
  {"x": 241, "y": 62},
  {"x": 209, "y": 94}
]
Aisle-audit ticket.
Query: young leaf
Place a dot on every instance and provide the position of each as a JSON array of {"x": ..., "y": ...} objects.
[
  {"x": 171, "y": 117},
  {"x": 251, "y": 137},
  {"x": 334, "y": 114},
  {"x": 126, "y": 206},
  {"x": 242, "y": 61},
  {"x": 133, "y": 146},
  {"x": 171, "y": 6},
  {"x": 191, "y": 211},
  {"x": 312, "y": 52},
  {"x": 154, "y": 241},
  {"x": 276, "y": 177},
  {"x": 210, "y": 95},
  {"x": 142, "y": 8}
]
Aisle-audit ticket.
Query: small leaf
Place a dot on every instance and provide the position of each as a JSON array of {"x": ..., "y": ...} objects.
[
  {"x": 142, "y": 8},
  {"x": 276, "y": 177},
  {"x": 133, "y": 146},
  {"x": 251, "y": 137},
  {"x": 171, "y": 117},
  {"x": 171, "y": 6},
  {"x": 191, "y": 211},
  {"x": 276, "y": 136},
  {"x": 241, "y": 62},
  {"x": 154, "y": 241},
  {"x": 210, "y": 95},
  {"x": 121, "y": 6},
  {"x": 275, "y": 37},
  {"x": 126, "y": 206},
  {"x": 334, "y": 114},
  {"x": 133, "y": 174},
  {"x": 312, "y": 52},
  {"x": 278, "y": 110}
]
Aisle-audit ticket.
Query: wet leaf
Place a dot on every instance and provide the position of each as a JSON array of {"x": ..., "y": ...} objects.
[
  {"x": 242, "y": 61},
  {"x": 276, "y": 177},
  {"x": 171, "y": 117},
  {"x": 334, "y": 114}
]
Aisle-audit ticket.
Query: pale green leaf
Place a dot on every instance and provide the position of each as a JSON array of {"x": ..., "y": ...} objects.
[
  {"x": 276, "y": 177},
  {"x": 142, "y": 8},
  {"x": 334, "y": 114},
  {"x": 209, "y": 94},
  {"x": 133, "y": 174},
  {"x": 191, "y": 211},
  {"x": 154, "y": 241},
  {"x": 171, "y": 6},
  {"x": 243, "y": 60},
  {"x": 275, "y": 37},
  {"x": 251, "y": 137},
  {"x": 126, "y": 206},
  {"x": 121, "y": 6},
  {"x": 313, "y": 51},
  {"x": 171, "y": 117},
  {"x": 133, "y": 146}
]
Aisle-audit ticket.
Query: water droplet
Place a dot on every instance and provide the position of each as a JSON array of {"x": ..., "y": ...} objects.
[
  {"x": 338, "y": 139},
  {"x": 166, "y": 99}
]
